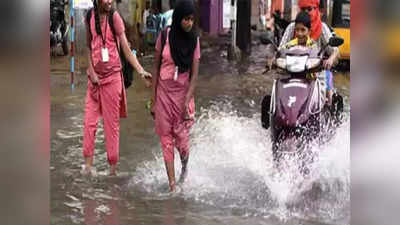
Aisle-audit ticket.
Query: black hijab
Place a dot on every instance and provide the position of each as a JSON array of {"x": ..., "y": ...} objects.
[{"x": 182, "y": 44}]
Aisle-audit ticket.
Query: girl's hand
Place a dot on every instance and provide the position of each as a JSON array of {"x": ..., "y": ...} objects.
[
  {"x": 328, "y": 64},
  {"x": 147, "y": 77},
  {"x": 145, "y": 74},
  {"x": 94, "y": 78}
]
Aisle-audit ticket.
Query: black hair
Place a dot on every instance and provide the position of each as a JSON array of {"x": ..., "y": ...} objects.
[
  {"x": 303, "y": 18},
  {"x": 96, "y": 17}
]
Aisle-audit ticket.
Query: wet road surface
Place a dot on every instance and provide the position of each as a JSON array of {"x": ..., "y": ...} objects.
[{"x": 231, "y": 179}]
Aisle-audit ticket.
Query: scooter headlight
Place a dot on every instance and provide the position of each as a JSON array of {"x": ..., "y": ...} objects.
[
  {"x": 313, "y": 63},
  {"x": 281, "y": 63}
]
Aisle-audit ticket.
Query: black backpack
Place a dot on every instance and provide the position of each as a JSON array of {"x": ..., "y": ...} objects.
[{"x": 127, "y": 69}]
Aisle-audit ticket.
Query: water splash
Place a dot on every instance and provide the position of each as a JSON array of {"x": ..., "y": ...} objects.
[{"x": 231, "y": 167}]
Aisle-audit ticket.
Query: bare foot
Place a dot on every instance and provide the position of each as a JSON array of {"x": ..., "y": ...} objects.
[
  {"x": 183, "y": 176},
  {"x": 86, "y": 170},
  {"x": 172, "y": 187}
]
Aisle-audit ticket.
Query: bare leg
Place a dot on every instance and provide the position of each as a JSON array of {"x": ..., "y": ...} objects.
[
  {"x": 329, "y": 94},
  {"x": 88, "y": 165},
  {"x": 184, "y": 171},
  {"x": 171, "y": 175}
]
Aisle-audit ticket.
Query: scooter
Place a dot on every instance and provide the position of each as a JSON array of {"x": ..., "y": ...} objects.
[
  {"x": 296, "y": 111},
  {"x": 58, "y": 25}
]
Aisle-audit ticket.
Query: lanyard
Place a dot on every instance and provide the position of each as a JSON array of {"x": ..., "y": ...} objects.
[{"x": 105, "y": 32}]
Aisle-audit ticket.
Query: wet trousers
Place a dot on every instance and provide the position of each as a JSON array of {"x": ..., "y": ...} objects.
[
  {"x": 169, "y": 124},
  {"x": 103, "y": 100}
]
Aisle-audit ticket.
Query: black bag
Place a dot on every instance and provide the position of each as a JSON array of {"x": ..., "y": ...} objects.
[{"x": 127, "y": 69}]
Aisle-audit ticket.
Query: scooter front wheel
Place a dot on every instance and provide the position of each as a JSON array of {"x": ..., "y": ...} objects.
[{"x": 265, "y": 104}]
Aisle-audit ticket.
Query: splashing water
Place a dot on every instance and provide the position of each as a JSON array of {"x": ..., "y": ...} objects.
[{"x": 231, "y": 167}]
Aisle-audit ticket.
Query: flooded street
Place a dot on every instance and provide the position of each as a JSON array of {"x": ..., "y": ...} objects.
[{"x": 231, "y": 176}]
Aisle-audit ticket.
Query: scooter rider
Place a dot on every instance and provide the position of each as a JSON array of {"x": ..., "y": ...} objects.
[{"x": 321, "y": 34}]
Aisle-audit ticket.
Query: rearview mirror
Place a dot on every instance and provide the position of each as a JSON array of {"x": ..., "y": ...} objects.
[{"x": 335, "y": 41}]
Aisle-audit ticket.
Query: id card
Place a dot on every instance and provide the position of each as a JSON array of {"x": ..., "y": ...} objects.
[{"x": 104, "y": 54}]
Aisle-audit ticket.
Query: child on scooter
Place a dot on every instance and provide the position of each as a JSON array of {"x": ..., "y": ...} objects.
[
  {"x": 302, "y": 32},
  {"x": 302, "y": 37}
]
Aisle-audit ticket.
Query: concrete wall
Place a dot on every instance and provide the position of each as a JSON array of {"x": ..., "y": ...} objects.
[{"x": 126, "y": 9}]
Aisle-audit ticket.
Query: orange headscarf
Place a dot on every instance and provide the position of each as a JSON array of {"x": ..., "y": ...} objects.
[{"x": 316, "y": 23}]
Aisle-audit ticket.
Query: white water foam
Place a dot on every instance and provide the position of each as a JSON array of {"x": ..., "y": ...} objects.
[{"x": 231, "y": 166}]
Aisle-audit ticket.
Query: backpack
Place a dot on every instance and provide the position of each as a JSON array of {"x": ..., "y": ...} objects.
[{"x": 127, "y": 69}]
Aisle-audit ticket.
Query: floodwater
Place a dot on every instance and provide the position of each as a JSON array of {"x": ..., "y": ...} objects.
[{"x": 231, "y": 177}]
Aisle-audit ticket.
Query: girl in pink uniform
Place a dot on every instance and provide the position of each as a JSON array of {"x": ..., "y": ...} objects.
[
  {"x": 173, "y": 86},
  {"x": 105, "y": 95}
]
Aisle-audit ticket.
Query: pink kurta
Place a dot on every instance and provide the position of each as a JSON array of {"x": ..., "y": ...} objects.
[
  {"x": 171, "y": 94},
  {"x": 107, "y": 99}
]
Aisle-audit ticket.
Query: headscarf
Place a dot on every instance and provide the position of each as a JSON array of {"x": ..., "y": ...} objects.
[
  {"x": 182, "y": 44},
  {"x": 316, "y": 23}
]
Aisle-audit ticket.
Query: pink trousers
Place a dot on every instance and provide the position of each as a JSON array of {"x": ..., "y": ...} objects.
[
  {"x": 178, "y": 139},
  {"x": 168, "y": 108},
  {"x": 103, "y": 100}
]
